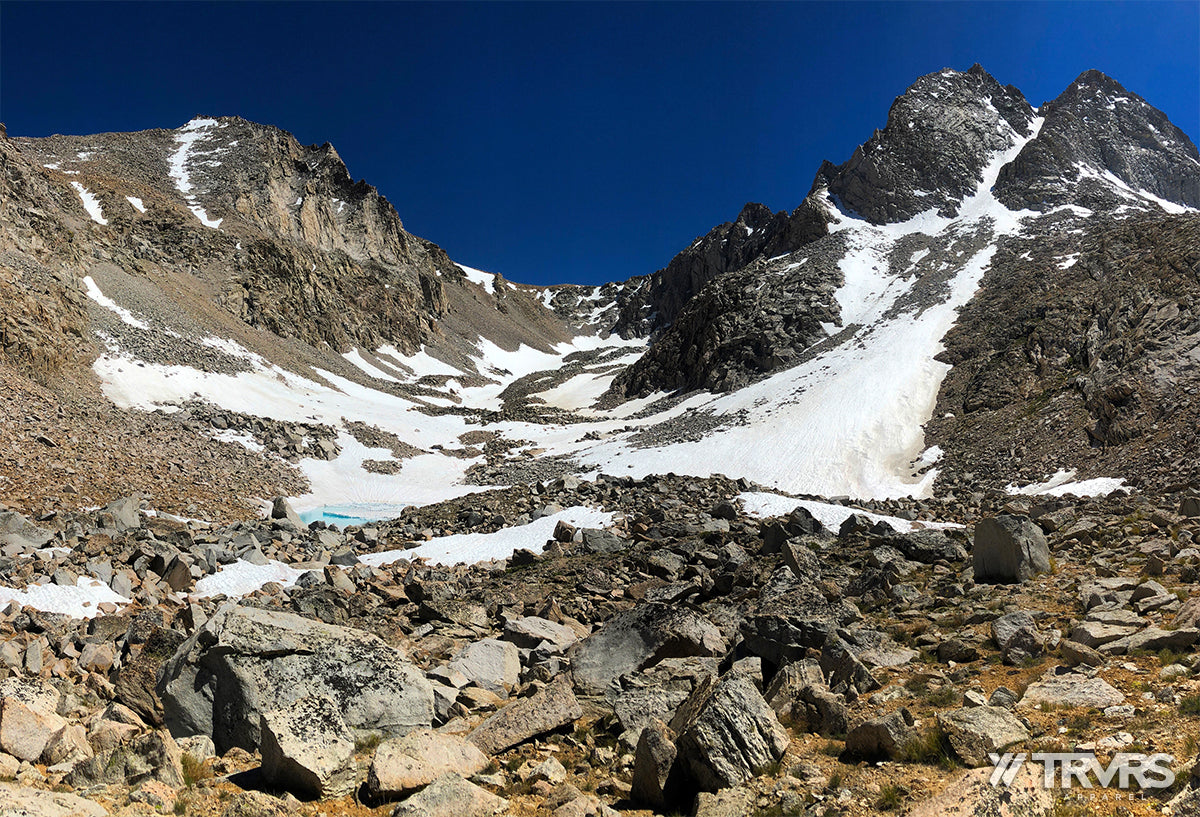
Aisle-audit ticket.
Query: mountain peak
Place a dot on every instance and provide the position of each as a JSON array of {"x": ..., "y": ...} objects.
[
  {"x": 754, "y": 215},
  {"x": 1093, "y": 78},
  {"x": 1103, "y": 147},
  {"x": 944, "y": 129}
]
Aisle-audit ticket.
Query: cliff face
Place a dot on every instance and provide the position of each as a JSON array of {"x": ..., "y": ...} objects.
[
  {"x": 292, "y": 244},
  {"x": 757, "y": 232},
  {"x": 42, "y": 316},
  {"x": 1080, "y": 351}
]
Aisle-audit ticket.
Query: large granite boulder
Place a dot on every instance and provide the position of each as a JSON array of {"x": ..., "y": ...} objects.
[
  {"x": 1009, "y": 549},
  {"x": 245, "y": 662},
  {"x": 28, "y": 717},
  {"x": 403, "y": 765}
]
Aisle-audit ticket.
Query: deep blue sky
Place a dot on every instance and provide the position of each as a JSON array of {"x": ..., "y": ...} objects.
[{"x": 567, "y": 142}]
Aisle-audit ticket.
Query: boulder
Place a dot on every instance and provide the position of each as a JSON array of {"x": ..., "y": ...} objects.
[
  {"x": 652, "y": 761},
  {"x": 788, "y": 682},
  {"x": 1152, "y": 639},
  {"x": 246, "y": 661},
  {"x": 637, "y": 708},
  {"x": 491, "y": 664},
  {"x": 843, "y": 670},
  {"x": 28, "y": 717},
  {"x": 816, "y": 709},
  {"x": 1096, "y": 634},
  {"x": 531, "y": 631},
  {"x": 68, "y": 745},
  {"x": 883, "y": 737},
  {"x": 1073, "y": 654},
  {"x": 548, "y": 709},
  {"x": 975, "y": 731},
  {"x": 957, "y": 650},
  {"x": 281, "y": 509},
  {"x": 1071, "y": 689},
  {"x": 549, "y": 770},
  {"x": 256, "y": 804},
  {"x": 451, "y": 796},
  {"x": 18, "y": 531},
  {"x": 727, "y": 734},
  {"x": 403, "y": 765},
  {"x": 801, "y": 560},
  {"x": 928, "y": 546},
  {"x": 136, "y": 681},
  {"x": 1009, "y": 549},
  {"x": 141, "y": 757},
  {"x": 729, "y": 803},
  {"x": 1189, "y": 613},
  {"x": 123, "y": 513},
  {"x": 308, "y": 749},
  {"x": 638, "y": 638},
  {"x": 1017, "y": 636},
  {"x": 597, "y": 540},
  {"x": 20, "y": 801}
]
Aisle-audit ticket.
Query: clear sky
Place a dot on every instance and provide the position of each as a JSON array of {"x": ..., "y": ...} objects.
[{"x": 576, "y": 141}]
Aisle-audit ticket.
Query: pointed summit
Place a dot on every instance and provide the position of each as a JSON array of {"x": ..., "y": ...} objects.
[
  {"x": 1102, "y": 147},
  {"x": 940, "y": 134}
]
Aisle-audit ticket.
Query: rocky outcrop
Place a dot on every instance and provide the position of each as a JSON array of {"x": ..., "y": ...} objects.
[
  {"x": 757, "y": 233},
  {"x": 743, "y": 325},
  {"x": 1077, "y": 351}
]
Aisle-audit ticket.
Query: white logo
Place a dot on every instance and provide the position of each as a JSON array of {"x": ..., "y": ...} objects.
[{"x": 1066, "y": 769}]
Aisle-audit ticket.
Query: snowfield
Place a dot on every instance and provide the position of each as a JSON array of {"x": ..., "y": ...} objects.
[{"x": 90, "y": 203}]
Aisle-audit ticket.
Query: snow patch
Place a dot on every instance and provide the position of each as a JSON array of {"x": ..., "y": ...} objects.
[
  {"x": 99, "y": 297},
  {"x": 1061, "y": 483},
  {"x": 242, "y": 578},
  {"x": 81, "y": 601},
  {"x": 485, "y": 279},
  {"x": 763, "y": 505},
  {"x": 90, "y": 203},
  {"x": 468, "y": 548},
  {"x": 1088, "y": 171},
  {"x": 178, "y": 161},
  {"x": 137, "y": 203}
]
